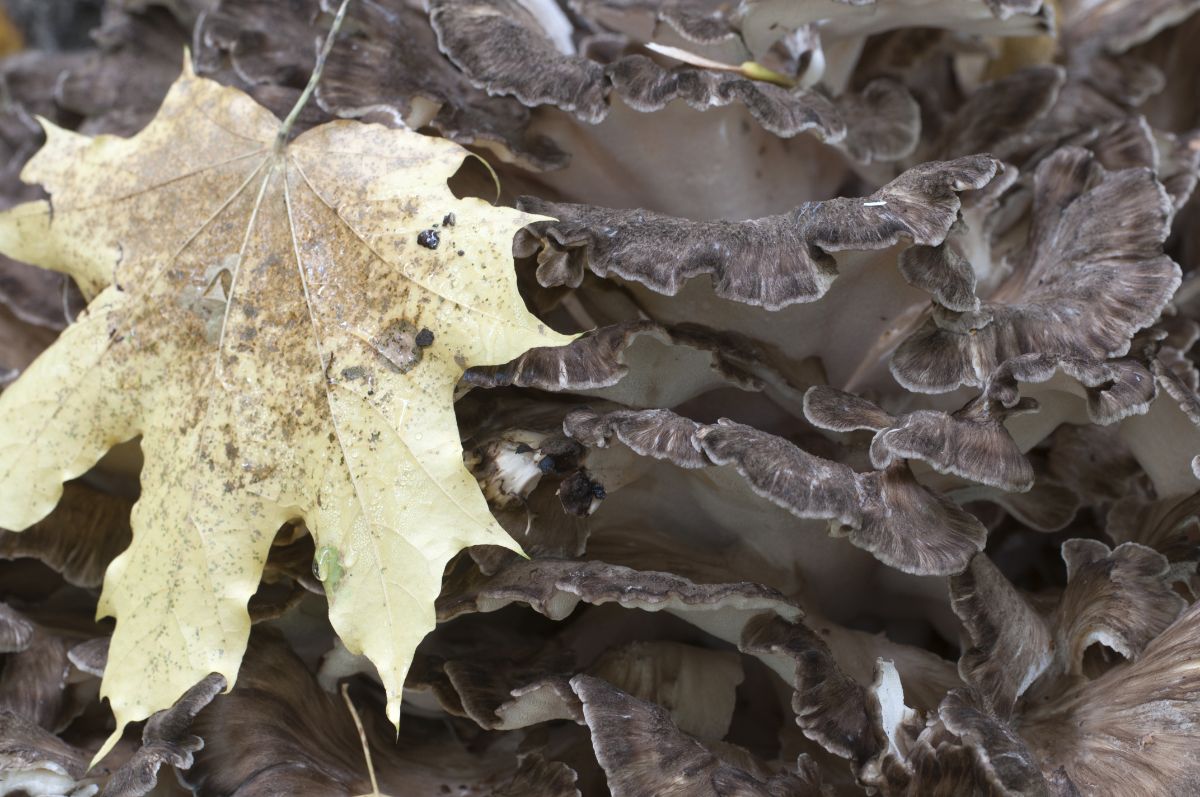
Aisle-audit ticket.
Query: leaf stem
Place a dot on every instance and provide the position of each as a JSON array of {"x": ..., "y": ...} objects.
[
  {"x": 748, "y": 69},
  {"x": 318, "y": 69},
  {"x": 362, "y": 734}
]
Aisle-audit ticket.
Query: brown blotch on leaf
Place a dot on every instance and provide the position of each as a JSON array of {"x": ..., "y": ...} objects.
[{"x": 399, "y": 346}]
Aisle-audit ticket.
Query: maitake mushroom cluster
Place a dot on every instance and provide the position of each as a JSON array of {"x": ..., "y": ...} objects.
[{"x": 876, "y": 471}]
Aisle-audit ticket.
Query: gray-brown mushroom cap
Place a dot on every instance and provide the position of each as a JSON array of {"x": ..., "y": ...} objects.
[
  {"x": 1114, "y": 389},
  {"x": 537, "y": 776},
  {"x": 79, "y": 538},
  {"x": 556, "y": 587},
  {"x": 1092, "y": 274},
  {"x": 642, "y": 752},
  {"x": 644, "y": 364},
  {"x": 883, "y": 122},
  {"x": 16, "y": 630},
  {"x": 763, "y": 22},
  {"x": 277, "y": 732},
  {"x": 697, "y": 21},
  {"x": 118, "y": 86},
  {"x": 33, "y": 755},
  {"x": 34, "y": 295},
  {"x": 505, "y": 50},
  {"x": 971, "y": 442},
  {"x": 1093, "y": 462},
  {"x": 262, "y": 45},
  {"x": 771, "y": 262},
  {"x": 838, "y": 411},
  {"x": 831, "y": 708},
  {"x": 165, "y": 740},
  {"x": 887, "y": 513},
  {"x": 646, "y": 86},
  {"x": 388, "y": 66},
  {"x": 651, "y": 433},
  {"x": 91, "y": 656},
  {"x": 1168, "y": 525},
  {"x": 942, "y": 272},
  {"x": 1116, "y": 27},
  {"x": 1133, "y": 729},
  {"x": 997, "y": 116},
  {"x": 1006, "y": 762},
  {"x": 1010, "y": 643},
  {"x": 1120, "y": 598},
  {"x": 505, "y": 692},
  {"x": 34, "y": 679},
  {"x": 1047, "y": 506}
]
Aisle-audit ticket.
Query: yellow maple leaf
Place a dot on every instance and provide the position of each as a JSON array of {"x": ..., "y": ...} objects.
[{"x": 279, "y": 324}]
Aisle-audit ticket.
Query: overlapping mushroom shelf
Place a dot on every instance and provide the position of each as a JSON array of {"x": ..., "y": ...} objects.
[{"x": 874, "y": 470}]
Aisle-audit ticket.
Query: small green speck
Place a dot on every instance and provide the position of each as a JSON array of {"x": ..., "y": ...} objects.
[{"x": 327, "y": 567}]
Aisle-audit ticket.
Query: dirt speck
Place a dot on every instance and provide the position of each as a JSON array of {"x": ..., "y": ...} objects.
[{"x": 429, "y": 239}]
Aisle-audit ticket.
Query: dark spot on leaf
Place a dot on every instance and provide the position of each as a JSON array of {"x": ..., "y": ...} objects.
[
  {"x": 429, "y": 239},
  {"x": 461, "y": 253},
  {"x": 424, "y": 338},
  {"x": 398, "y": 347},
  {"x": 448, "y": 220},
  {"x": 353, "y": 372}
]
